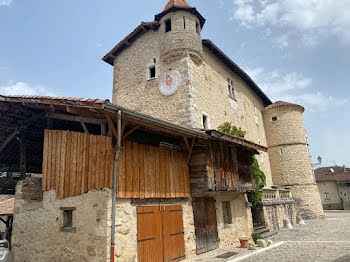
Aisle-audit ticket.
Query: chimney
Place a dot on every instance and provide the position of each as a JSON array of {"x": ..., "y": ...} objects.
[{"x": 344, "y": 169}]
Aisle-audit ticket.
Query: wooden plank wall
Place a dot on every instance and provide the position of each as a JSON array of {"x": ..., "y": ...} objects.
[
  {"x": 74, "y": 163},
  {"x": 152, "y": 172},
  {"x": 222, "y": 167}
]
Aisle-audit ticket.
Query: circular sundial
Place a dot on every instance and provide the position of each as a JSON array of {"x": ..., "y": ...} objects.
[{"x": 170, "y": 83}]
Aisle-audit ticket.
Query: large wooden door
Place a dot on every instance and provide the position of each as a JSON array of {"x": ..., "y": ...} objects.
[
  {"x": 160, "y": 235},
  {"x": 205, "y": 223}
]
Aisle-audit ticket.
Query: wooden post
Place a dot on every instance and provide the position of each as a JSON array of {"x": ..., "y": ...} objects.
[{"x": 23, "y": 155}]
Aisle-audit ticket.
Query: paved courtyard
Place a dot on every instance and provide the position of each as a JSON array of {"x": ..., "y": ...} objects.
[{"x": 319, "y": 240}]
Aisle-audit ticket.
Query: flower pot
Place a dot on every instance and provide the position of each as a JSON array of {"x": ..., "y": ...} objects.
[{"x": 244, "y": 242}]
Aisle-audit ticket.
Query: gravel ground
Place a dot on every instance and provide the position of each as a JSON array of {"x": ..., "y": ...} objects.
[{"x": 325, "y": 240}]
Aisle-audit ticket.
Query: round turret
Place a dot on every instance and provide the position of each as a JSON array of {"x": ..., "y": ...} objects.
[
  {"x": 180, "y": 27},
  {"x": 289, "y": 155}
]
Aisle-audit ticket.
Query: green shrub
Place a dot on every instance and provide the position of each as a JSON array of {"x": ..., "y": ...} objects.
[{"x": 232, "y": 130}]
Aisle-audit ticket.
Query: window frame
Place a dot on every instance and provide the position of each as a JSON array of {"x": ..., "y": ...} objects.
[
  {"x": 67, "y": 219},
  {"x": 231, "y": 89},
  {"x": 326, "y": 196},
  {"x": 168, "y": 25},
  {"x": 226, "y": 208}
]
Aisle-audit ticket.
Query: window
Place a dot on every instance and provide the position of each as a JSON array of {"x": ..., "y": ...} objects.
[
  {"x": 198, "y": 29},
  {"x": 184, "y": 22},
  {"x": 231, "y": 89},
  {"x": 68, "y": 219},
  {"x": 327, "y": 196},
  {"x": 274, "y": 118},
  {"x": 226, "y": 212},
  {"x": 205, "y": 121},
  {"x": 168, "y": 25},
  {"x": 281, "y": 151},
  {"x": 347, "y": 184},
  {"x": 152, "y": 72}
]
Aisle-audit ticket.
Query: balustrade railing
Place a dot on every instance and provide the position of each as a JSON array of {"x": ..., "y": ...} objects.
[{"x": 276, "y": 194}]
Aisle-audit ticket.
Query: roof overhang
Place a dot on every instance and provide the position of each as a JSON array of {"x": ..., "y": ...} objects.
[{"x": 192, "y": 10}]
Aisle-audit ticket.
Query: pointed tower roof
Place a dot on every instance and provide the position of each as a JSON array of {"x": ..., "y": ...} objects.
[{"x": 176, "y": 3}]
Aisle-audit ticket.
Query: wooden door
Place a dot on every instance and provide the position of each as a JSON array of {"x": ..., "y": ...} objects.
[
  {"x": 205, "y": 223},
  {"x": 160, "y": 235},
  {"x": 149, "y": 234},
  {"x": 173, "y": 233}
]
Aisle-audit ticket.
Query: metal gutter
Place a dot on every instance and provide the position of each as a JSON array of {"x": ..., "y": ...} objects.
[{"x": 115, "y": 174}]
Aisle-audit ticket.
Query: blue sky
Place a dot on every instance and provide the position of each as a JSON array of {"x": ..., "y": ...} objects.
[{"x": 295, "y": 50}]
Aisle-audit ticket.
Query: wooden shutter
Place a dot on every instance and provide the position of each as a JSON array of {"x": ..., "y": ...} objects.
[
  {"x": 173, "y": 233},
  {"x": 149, "y": 234}
]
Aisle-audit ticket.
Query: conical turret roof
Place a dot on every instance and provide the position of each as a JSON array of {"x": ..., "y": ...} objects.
[{"x": 176, "y": 3}]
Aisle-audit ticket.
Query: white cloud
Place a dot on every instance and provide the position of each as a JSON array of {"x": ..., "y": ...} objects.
[
  {"x": 293, "y": 87},
  {"x": 5, "y": 2},
  {"x": 22, "y": 88},
  {"x": 309, "y": 20}
]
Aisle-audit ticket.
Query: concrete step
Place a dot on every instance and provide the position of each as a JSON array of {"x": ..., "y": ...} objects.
[
  {"x": 261, "y": 230},
  {"x": 268, "y": 234}
]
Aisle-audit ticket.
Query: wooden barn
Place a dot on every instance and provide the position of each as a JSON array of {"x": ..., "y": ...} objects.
[{"x": 179, "y": 192}]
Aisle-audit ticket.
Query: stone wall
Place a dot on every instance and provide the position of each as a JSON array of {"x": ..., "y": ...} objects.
[
  {"x": 211, "y": 96},
  {"x": 37, "y": 234},
  {"x": 275, "y": 212},
  {"x": 126, "y": 227},
  {"x": 290, "y": 158},
  {"x": 242, "y": 225}
]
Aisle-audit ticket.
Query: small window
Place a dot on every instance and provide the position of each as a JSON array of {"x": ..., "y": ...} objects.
[
  {"x": 348, "y": 184},
  {"x": 152, "y": 72},
  {"x": 327, "y": 196},
  {"x": 226, "y": 212},
  {"x": 274, "y": 118},
  {"x": 68, "y": 219},
  {"x": 231, "y": 89},
  {"x": 198, "y": 29},
  {"x": 155, "y": 60},
  {"x": 205, "y": 121},
  {"x": 168, "y": 25},
  {"x": 184, "y": 22},
  {"x": 281, "y": 151}
]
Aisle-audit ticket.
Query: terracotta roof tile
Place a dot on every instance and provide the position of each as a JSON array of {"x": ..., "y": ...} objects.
[
  {"x": 7, "y": 207},
  {"x": 63, "y": 99},
  {"x": 282, "y": 103},
  {"x": 176, "y": 3},
  {"x": 338, "y": 174}
]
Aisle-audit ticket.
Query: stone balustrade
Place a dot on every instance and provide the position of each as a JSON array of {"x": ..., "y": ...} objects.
[{"x": 276, "y": 194}]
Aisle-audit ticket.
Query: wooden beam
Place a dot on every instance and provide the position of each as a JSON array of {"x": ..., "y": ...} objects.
[
  {"x": 191, "y": 149},
  {"x": 88, "y": 120},
  {"x": 187, "y": 145},
  {"x": 130, "y": 132},
  {"x": 103, "y": 130},
  {"x": 111, "y": 126},
  {"x": 84, "y": 127},
  {"x": 8, "y": 140},
  {"x": 23, "y": 155}
]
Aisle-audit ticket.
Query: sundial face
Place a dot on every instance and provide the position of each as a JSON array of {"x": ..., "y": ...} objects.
[{"x": 170, "y": 83}]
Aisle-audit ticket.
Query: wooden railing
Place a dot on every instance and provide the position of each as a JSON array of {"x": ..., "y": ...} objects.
[{"x": 276, "y": 194}]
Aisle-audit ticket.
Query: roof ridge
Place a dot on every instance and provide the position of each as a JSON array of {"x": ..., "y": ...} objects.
[{"x": 176, "y": 3}]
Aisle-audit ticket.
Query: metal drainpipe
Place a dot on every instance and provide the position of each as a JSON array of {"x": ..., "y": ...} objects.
[{"x": 114, "y": 196}]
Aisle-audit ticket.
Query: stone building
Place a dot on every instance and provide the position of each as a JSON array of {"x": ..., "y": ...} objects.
[
  {"x": 181, "y": 184},
  {"x": 207, "y": 89},
  {"x": 334, "y": 187}
]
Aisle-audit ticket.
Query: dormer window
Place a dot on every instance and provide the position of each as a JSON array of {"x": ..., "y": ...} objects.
[{"x": 168, "y": 25}]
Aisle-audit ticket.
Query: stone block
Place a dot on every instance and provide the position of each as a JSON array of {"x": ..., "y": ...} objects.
[{"x": 262, "y": 243}]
